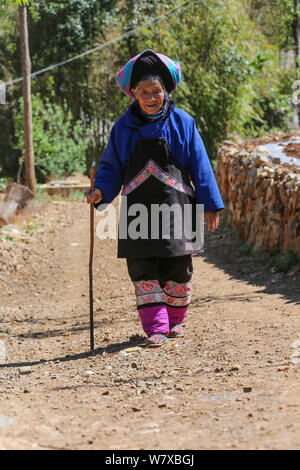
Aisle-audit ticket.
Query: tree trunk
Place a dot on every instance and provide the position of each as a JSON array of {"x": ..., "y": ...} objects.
[
  {"x": 296, "y": 33},
  {"x": 296, "y": 38},
  {"x": 26, "y": 72}
]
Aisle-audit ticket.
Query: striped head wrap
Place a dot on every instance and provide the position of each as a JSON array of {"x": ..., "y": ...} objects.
[{"x": 147, "y": 62}]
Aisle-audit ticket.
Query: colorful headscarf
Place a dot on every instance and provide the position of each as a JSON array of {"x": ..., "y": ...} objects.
[{"x": 124, "y": 76}]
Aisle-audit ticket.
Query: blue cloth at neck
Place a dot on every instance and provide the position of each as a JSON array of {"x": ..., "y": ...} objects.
[{"x": 167, "y": 106}]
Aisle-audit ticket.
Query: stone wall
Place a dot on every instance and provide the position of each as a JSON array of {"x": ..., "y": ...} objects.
[{"x": 262, "y": 196}]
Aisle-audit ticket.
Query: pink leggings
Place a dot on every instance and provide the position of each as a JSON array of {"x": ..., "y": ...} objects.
[{"x": 161, "y": 307}]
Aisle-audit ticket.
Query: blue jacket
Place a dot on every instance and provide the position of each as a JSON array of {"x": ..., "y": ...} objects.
[{"x": 185, "y": 144}]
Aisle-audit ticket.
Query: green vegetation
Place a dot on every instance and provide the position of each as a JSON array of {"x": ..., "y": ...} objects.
[
  {"x": 275, "y": 260},
  {"x": 60, "y": 144},
  {"x": 233, "y": 80},
  {"x": 43, "y": 196},
  {"x": 280, "y": 261},
  {"x": 3, "y": 183}
]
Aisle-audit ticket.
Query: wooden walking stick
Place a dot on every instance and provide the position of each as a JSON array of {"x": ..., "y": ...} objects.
[{"x": 91, "y": 259}]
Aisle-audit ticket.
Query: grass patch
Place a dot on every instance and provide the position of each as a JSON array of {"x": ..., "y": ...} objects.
[
  {"x": 274, "y": 259},
  {"x": 7, "y": 238},
  {"x": 73, "y": 196},
  {"x": 43, "y": 196},
  {"x": 246, "y": 249},
  {"x": 283, "y": 261},
  {"x": 32, "y": 226}
]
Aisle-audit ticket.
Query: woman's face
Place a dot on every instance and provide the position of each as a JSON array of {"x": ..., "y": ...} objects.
[{"x": 150, "y": 95}]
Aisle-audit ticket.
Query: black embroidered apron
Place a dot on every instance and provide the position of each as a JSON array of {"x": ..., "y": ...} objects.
[{"x": 158, "y": 207}]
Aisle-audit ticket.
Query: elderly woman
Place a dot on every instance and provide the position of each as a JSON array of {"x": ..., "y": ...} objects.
[{"x": 157, "y": 155}]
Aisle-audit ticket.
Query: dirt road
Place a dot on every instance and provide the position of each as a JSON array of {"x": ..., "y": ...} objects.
[{"x": 231, "y": 383}]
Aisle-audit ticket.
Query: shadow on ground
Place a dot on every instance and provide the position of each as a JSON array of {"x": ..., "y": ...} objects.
[
  {"x": 223, "y": 249},
  {"x": 111, "y": 349}
]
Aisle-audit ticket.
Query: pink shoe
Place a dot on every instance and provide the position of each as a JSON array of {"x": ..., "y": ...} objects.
[
  {"x": 156, "y": 340},
  {"x": 176, "y": 331}
]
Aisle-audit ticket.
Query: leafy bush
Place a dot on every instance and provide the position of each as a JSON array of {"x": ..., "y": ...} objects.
[
  {"x": 59, "y": 143},
  {"x": 232, "y": 80},
  {"x": 3, "y": 182},
  {"x": 278, "y": 260},
  {"x": 284, "y": 261}
]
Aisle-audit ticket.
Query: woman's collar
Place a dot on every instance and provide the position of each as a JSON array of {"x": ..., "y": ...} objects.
[{"x": 133, "y": 119}]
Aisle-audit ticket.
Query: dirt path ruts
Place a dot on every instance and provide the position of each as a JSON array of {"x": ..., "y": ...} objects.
[{"x": 230, "y": 383}]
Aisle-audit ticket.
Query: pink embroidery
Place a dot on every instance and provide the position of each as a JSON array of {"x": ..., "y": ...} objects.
[
  {"x": 178, "y": 295},
  {"x": 148, "y": 292},
  {"x": 178, "y": 302},
  {"x": 153, "y": 169},
  {"x": 178, "y": 289}
]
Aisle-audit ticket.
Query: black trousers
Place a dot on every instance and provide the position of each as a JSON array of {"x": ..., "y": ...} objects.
[{"x": 178, "y": 269}]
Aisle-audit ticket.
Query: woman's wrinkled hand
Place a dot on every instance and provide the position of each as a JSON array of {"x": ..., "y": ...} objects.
[
  {"x": 93, "y": 197},
  {"x": 212, "y": 220}
]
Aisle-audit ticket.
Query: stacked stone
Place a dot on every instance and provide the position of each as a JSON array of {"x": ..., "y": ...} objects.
[{"x": 262, "y": 197}]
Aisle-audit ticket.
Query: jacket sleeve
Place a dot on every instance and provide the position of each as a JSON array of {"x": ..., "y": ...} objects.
[
  {"x": 110, "y": 174},
  {"x": 202, "y": 175}
]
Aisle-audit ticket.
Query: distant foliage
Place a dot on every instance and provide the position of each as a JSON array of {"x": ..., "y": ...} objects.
[
  {"x": 59, "y": 143},
  {"x": 232, "y": 83}
]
